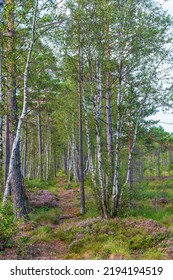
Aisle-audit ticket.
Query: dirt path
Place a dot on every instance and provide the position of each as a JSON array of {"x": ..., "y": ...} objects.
[{"x": 69, "y": 205}]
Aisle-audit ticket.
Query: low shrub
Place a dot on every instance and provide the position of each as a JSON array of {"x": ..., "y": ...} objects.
[
  {"x": 42, "y": 233},
  {"x": 46, "y": 216},
  {"x": 8, "y": 227}
]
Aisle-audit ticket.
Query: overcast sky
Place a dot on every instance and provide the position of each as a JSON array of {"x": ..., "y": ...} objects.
[
  {"x": 166, "y": 120},
  {"x": 168, "y": 5}
]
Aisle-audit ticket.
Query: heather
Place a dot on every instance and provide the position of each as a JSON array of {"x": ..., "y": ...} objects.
[{"x": 57, "y": 230}]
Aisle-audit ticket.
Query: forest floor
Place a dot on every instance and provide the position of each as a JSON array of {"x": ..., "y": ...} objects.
[{"x": 62, "y": 233}]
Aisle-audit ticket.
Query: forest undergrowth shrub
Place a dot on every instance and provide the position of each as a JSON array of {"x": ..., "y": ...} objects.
[
  {"x": 114, "y": 238},
  {"x": 42, "y": 233},
  {"x": 1, "y": 183},
  {"x": 151, "y": 200},
  {"x": 159, "y": 188},
  {"x": 8, "y": 227},
  {"x": 45, "y": 215},
  {"x": 116, "y": 249},
  {"x": 35, "y": 185},
  {"x": 161, "y": 213},
  {"x": 92, "y": 210},
  {"x": 153, "y": 254}
]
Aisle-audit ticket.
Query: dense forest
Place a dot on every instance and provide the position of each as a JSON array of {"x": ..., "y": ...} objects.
[{"x": 84, "y": 170}]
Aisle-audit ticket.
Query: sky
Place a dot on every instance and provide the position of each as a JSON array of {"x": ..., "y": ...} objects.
[
  {"x": 166, "y": 120},
  {"x": 168, "y": 5}
]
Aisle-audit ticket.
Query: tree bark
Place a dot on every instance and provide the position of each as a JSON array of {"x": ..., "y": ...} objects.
[
  {"x": 25, "y": 149},
  {"x": 40, "y": 145},
  {"x": 115, "y": 190},
  {"x": 97, "y": 106},
  {"x": 90, "y": 158},
  {"x": 14, "y": 167},
  {"x": 73, "y": 148},
  {"x": 81, "y": 168},
  {"x": 7, "y": 149},
  {"x": 110, "y": 148}
]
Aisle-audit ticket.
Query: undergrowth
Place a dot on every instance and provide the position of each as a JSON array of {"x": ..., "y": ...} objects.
[
  {"x": 42, "y": 233},
  {"x": 8, "y": 227},
  {"x": 35, "y": 185},
  {"x": 45, "y": 215},
  {"x": 142, "y": 231},
  {"x": 113, "y": 239}
]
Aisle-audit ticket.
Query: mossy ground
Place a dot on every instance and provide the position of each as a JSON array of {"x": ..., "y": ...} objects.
[{"x": 62, "y": 233}]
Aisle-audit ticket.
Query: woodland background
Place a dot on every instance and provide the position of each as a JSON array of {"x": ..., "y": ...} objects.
[{"x": 78, "y": 81}]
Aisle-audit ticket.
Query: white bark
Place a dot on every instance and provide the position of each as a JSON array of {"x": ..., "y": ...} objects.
[
  {"x": 115, "y": 190},
  {"x": 90, "y": 159},
  {"x": 69, "y": 165},
  {"x": 24, "y": 110},
  {"x": 98, "y": 105},
  {"x": 47, "y": 161}
]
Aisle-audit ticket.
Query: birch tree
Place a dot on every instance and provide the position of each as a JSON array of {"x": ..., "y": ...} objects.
[{"x": 19, "y": 203}]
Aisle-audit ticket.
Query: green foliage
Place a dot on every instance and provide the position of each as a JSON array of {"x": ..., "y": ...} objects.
[
  {"x": 35, "y": 185},
  {"x": 1, "y": 181},
  {"x": 45, "y": 216},
  {"x": 113, "y": 239},
  {"x": 116, "y": 249},
  {"x": 42, "y": 233},
  {"x": 92, "y": 210},
  {"x": 152, "y": 200},
  {"x": 8, "y": 227},
  {"x": 153, "y": 254}
]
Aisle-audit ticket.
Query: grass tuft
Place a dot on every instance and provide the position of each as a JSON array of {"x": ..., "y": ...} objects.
[
  {"x": 42, "y": 233},
  {"x": 46, "y": 216}
]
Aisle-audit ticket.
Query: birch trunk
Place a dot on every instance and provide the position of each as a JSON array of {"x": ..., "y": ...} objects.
[
  {"x": 40, "y": 145},
  {"x": 90, "y": 158},
  {"x": 98, "y": 105},
  {"x": 73, "y": 148},
  {"x": 81, "y": 169},
  {"x": 115, "y": 190},
  {"x": 47, "y": 161},
  {"x": 54, "y": 160},
  {"x": 25, "y": 149},
  {"x": 20, "y": 207},
  {"x": 7, "y": 149},
  {"x": 110, "y": 148},
  {"x": 69, "y": 165}
]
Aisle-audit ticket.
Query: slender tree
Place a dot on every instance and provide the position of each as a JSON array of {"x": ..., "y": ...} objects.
[{"x": 18, "y": 192}]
